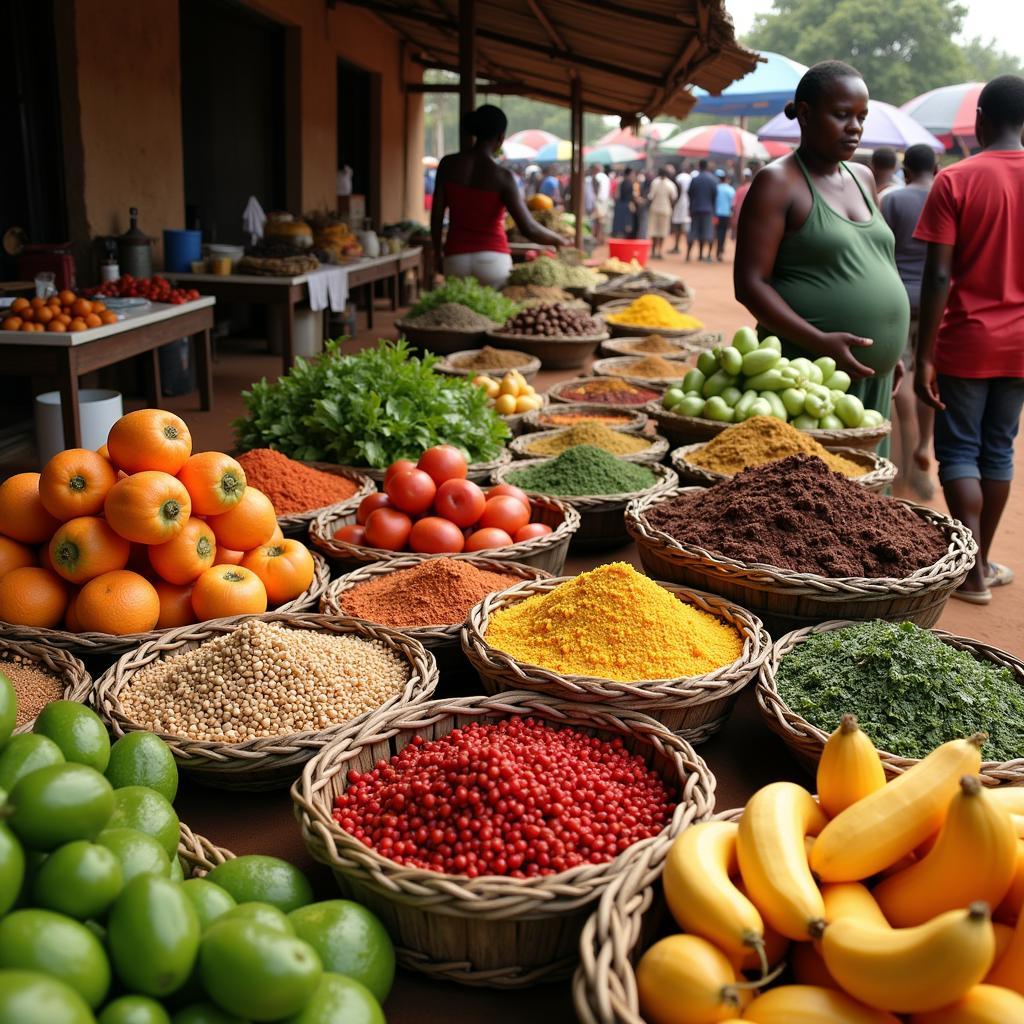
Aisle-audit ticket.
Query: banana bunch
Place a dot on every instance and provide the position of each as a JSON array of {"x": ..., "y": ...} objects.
[{"x": 886, "y": 902}]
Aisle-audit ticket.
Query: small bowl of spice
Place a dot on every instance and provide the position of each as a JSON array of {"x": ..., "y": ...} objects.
[
  {"x": 449, "y": 327},
  {"x": 41, "y": 673},
  {"x": 606, "y": 391},
  {"x": 631, "y": 447},
  {"x": 649, "y": 345},
  {"x": 490, "y": 362},
  {"x": 650, "y": 369},
  {"x": 647, "y": 314},
  {"x": 572, "y": 415}
]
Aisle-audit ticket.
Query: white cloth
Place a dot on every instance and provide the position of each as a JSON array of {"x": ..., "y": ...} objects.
[
  {"x": 489, "y": 268},
  {"x": 254, "y": 220},
  {"x": 328, "y": 286},
  {"x": 603, "y": 185},
  {"x": 662, "y": 195},
  {"x": 681, "y": 211}
]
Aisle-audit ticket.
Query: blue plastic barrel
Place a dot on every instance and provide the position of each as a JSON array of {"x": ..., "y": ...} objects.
[{"x": 180, "y": 249}]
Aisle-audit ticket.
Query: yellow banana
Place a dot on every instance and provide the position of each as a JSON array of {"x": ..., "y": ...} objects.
[
  {"x": 773, "y": 861},
  {"x": 776, "y": 946},
  {"x": 1013, "y": 902},
  {"x": 1004, "y": 936},
  {"x": 911, "y": 970},
  {"x": 852, "y": 899},
  {"x": 887, "y": 824},
  {"x": 811, "y": 1004},
  {"x": 850, "y": 768},
  {"x": 1008, "y": 970},
  {"x": 983, "y": 1004},
  {"x": 974, "y": 858},
  {"x": 1010, "y": 798}
]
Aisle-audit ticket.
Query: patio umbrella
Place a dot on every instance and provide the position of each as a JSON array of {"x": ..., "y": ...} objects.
[
  {"x": 559, "y": 151},
  {"x": 656, "y": 131},
  {"x": 765, "y": 91},
  {"x": 947, "y": 112},
  {"x": 535, "y": 138},
  {"x": 718, "y": 140},
  {"x": 517, "y": 151},
  {"x": 885, "y": 125},
  {"x": 613, "y": 154},
  {"x": 776, "y": 149}
]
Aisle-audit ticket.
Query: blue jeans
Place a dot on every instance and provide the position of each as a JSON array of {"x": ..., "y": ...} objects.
[{"x": 974, "y": 434}]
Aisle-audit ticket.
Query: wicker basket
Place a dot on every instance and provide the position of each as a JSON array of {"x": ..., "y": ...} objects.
[
  {"x": 450, "y": 365},
  {"x": 455, "y": 673},
  {"x": 546, "y": 552},
  {"x": 477, "y": 471},
  {"x": 556, "y": 391},
  {"x": 694, "y": 708},
  {"x": 72, "y": 673},
  {"x": 495, "y": 931},
  {"x": 198, "y": 854},
  {"x": 601, "y": 521},
  {"x": 786, "y": 600},
  {"x": 296, "y": 524},
  {"x": 618, "y": 366},
  {"x": 568, "y": 352},
  {"x": 608, "y": 294},
  {"x": 440, "y": 340},
  {"x": 654, "y": 452},
  {"x": 631, "y": 422},
  {"x": 878, "y": 474},
  {"x": 618, "y": 330},
  {"x": 682, "y": 349},
  {"x": 258, "y": 764},
  {"x": 805, "y": 741}
]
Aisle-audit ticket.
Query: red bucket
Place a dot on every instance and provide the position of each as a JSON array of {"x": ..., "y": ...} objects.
[{"x": 627, "y": 249}]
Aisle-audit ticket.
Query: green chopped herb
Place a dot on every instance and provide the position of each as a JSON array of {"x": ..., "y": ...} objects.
[
  {"x": 580, "y": 471},
  {"x": 467, "y": 291}
]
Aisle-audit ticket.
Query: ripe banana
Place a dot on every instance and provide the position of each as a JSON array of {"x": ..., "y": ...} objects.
[
  {"x": 776, "y": 946},
  {"x": 810, "y": 1004},
  {"x": 1013, "y": 902},
  {"x": 911, "y": 970},
  {"x": 983, "y": 1004},
  {"x": 974, "y": 858},
  {"x": 1009, "y": 966},
  {"x": 773, "y": 861},
  {"x": 852, "y": 900},
  {"x": 850, "y": 768},
  {"x": 1010, "y": 798},
  {"x": 887, "y": 824}
]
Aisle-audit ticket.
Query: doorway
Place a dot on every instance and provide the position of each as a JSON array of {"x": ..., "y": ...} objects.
[{"x": 358, "y": 143}]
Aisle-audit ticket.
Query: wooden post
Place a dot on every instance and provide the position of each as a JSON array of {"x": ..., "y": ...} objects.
[
  {"x": 576, "y": 135},
  {"x": 467, "y": 63}
]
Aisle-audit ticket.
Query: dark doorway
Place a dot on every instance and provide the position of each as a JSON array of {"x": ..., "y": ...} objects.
[
  {"x": 357, "y": 143},
  {"x": 232, "y": 111}
]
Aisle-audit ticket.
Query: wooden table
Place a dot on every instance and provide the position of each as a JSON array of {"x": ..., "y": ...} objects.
[{"x": 68, "y": 356}]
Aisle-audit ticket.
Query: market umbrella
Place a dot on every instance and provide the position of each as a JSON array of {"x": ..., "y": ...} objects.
[
  {"x": 765, "y": 91},
  {"x": 777, "y": 149},
  {"x": 558, "y": 151},
  {"x": 717, "y": 140},
  {"x": 947, "y": 113},
  {"x": 656, "y": 131},
  {"x": 535, "y": 138},
  {"x": 885, "y": 125},
  {"x": 517, "y": 151},
  {"x": 613, "y": 154}
]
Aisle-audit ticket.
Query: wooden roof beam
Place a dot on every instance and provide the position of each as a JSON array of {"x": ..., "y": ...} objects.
[{"x": 549, "y": 28}]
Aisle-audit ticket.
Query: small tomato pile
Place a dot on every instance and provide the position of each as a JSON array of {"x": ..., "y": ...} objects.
[
  {"x": 141, "y": 534},
  {"x": 155, "y": 288},
  {"x": 430, "y": 507},
  {"x": 62, "y": 312}
]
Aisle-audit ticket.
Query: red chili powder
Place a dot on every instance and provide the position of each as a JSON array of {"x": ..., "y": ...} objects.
[{"x": 290, "y": 485}]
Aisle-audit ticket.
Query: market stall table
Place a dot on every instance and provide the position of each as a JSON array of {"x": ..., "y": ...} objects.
[{"x": 67, "y": 356}]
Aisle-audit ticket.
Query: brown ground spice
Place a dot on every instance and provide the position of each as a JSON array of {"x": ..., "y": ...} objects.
[
  {"x": 33, "y": 686},
  {"x": 654, "y": 344},
  {"x": 606, "y": 391},
  {"x": 554, "y": 419},
  {"x": 488, "y": 358},
  {"x": 290, "y": 485},
  {"x": 654, "y": 368},
  {"x": 796, "y": 514}
]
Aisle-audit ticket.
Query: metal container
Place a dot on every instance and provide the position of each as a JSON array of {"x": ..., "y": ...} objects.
[{"x": 135, "y": 253}]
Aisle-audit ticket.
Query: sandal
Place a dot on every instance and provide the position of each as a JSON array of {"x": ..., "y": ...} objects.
[
  {"x": 973, "y": 596},
  {"x": 999, "y": 575}
]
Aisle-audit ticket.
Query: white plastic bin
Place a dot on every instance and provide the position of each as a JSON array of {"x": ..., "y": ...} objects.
[
  {"x": 98, "y": 410},
  {"x": 307, "y": 340}
]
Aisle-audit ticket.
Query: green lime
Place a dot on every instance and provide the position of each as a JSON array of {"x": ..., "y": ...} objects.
[
  {"x": 55, "y": 805},
  {"x": 339, "y": 998},
  {"x": 12, "y": 868},
  {"x": 29, "y": 997},
  {"x": 257, "y": 972},
  {"x": 77, "y": 730},
  {"x": 26, "y": 753},
  {"x": 208, "y": 900},
  {"x": 176, "y": 873},
  {"x": 143, "y": 759},
  {"x": 146, "y": 810},
  {"x": 8, "y": 708},
  {"x": 133, "y": 1010},
  {"x": 153, "y": 935},
  {"x": 39, "y": 940},
  {"x": 264, "y": 879},
  {"x": 262, "y": 913},
  {"x": 138, "y": 853},
  {"x": 349, "y": 940},
  {"x": 80, "y": 879},
  {"x": 205, "y": 1013}
]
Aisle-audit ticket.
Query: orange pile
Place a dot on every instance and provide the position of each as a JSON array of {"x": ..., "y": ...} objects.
[
  {"x": 62, "y": 312},
  {"x": 141, "y": 535}
]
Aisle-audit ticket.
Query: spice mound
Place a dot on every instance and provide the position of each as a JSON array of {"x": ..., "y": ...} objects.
[
  {"x": 653, "y": 367},
  {"x": 553, "y": 419},
  {"x": 796, "y": 514},
  {"x": 515, "y": 798},
  {"x": 654, "y": 311},
  {"x": 599, "y": 436},
  {"x": 437, "y": 592},
  {"x": 909, "y": 690},
  {"x": 614, "y": 623},
  {"x": 608, "y": 391},
  {"x": 488, "y": 358},
  {"x": 290, "y": 485},
  {"x": 261, "y": 680},
  {"x": 454, "y": 316},
  {"x": 763, "y": 439},
  {"x": 653, "y": 344},
  {"x": 33, "y": 686},
  {"x": 583, "y": 471}
]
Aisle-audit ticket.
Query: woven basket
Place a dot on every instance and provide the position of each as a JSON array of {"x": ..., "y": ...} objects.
[
  {"x": 493, "y": 930},
  {"x": 618, "y": 366},
  {"x": 631, "y": 422},
  {"x": 450, "y": 365},
  {"x": 608, "y": 309},
  {"x": 654, "y": 452},
  {"x": 295, "y": 524},
  {"x": 608, "y": 295},
  {"x": 546, "y": 552},
  {"x": 441, "y": 640},
  {"x": 198, "y": 854},
  {"x": 477, "y": 471},
  {"x": 568, "y": 352},
  {"x": 682, "y": 349},
  {"x": 601, "y": 515},
  {"x": 694, "y": 708},
  {"x": 72, "y": 673},
  {"x": 556, "y": 391},
  {"x": 786, "y": 600},
  {"x": 805, "y": 741},
  {"x": 440, "y": 340},
  {"x": 878, "y": 471},
  {"x": 258, "y": 764}
]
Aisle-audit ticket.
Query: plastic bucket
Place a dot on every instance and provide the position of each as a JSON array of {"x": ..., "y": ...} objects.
[
  {"x": 180, "y": 249},
  {"x": 627, "y": 249},
  {"x": 98, "y": 411}
]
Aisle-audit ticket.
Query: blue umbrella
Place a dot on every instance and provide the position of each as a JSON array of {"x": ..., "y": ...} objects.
[
  {"x": 559, "y": 151},
  {"x": 765, "y": 91}
]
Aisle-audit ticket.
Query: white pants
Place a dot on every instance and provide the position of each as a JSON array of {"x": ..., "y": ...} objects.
[{"x": 490, "y": 268}]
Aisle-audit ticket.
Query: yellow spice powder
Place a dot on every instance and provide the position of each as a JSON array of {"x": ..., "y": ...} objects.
[
  {"x": 654, "y": 311},
  {"x": 614, "y": 623},
  {"x": 599, "y": 436}
]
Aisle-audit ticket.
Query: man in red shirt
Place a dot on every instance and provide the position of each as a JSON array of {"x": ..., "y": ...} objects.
[{"x": 971, "y": 357}]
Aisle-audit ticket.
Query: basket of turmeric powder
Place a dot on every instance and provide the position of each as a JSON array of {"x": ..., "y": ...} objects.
[
  {"x": 645, "y": 448},
  {"x": 648, "y": 314},
  {"x": 614, "y": 636}
]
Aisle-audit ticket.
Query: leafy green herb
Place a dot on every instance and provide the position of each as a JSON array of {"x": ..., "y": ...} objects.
[
  {"x": 909, "y": 690},
  {"x": 467, "y": 291},
  {"x": 369, "y": 409}
]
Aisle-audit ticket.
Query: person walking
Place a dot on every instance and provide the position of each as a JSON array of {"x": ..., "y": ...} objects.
[
  {"x": 724, "y": 198},
  {"x": 663, "y": 194},
  {"x": 741, "y": 192},
  {"x": 602, "y": 186},
  {"x": 970, "y": 358},
  {"x": 625, "y": 205},
  {"x": 681, "y": 210},
  {"x": 883, "y": 167},
  {"x": 702, "y": 192},
  {"x": 550, "y": 186}
]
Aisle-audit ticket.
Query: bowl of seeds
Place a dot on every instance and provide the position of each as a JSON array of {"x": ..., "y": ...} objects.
[{"x": 40, "y": 674}]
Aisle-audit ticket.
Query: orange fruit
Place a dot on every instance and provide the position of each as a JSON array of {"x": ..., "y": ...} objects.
[
  {"x": 97, "y": 306},
  {"x": 102, "y": 450},
  {"x": 86, "y": 547},
  {"x": 175, "y": 605},
  {"x": 227, "y": 590},
  {"x": 81, "y": 307},
  {"x": 215, "y": 482},
  {"x": 75, "y": 482},
  {"x": 285, "y": 567},
  {"x": 32, "y": 596},
  {"x": 148, "y": 507},
  {"x": 22, "y": 515},
  {"x": 276, "y": 535},
  {"x": 44, "y": 315},
  {"x": 67, "y": 297},
  {"x": 76, "y": 325},
  {"x": 149, "y": 439},
  {"x": 92, "y": 320},
  {"x": 14, "y": 555},
  {"x": 37, "y": 302},
  {"x": 248, "y": 524},
  {"x": 118, "y": 602},
  {"x": 11, "y": 323},
  {"x": 187, "y": 556},
  {"x": 225, "y": 556},
  {"x": 57, "y": 325},
  {"x": 108, "y": 317},
  {"x": 71, "y": 623},
  {"x": 20, "y": 305}
]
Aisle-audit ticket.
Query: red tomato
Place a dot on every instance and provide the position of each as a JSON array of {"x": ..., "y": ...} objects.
[
  {"x": 397, "y": 467},
  {"x": 491, "y": 537},
  {"x": 512, "y": 492},
  {"x": 387, "y": 528},
  {"x": 434, "y": 535},
  {"x": 443, "y": 462},
  {"x": 351, "y": 534},
  {"x": 529, "y": 531},
  {"x": 411, "y": 490},
  {"x": 506, "y": 513},
  {"x": 461, "y": 501},
  {"x": 371, "y": 503}
]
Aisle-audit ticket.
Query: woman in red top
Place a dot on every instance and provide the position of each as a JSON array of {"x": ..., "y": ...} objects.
[{"x": 476, "y": 193}]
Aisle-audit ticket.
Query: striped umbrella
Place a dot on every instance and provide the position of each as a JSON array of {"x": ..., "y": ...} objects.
[
  {"x": 559, "y": 151},
  {"x": 535, "y": 138},
  {"x": 657, "y": 130},
  {"x": 613, "y": 154},
  {"x": 947, "y": 112},
  {"x": 517, "y": 151},
  {"x": 715, "y": 140}
]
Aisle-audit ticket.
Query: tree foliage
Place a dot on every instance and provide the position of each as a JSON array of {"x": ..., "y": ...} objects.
[{"x": 982, "y": 61}]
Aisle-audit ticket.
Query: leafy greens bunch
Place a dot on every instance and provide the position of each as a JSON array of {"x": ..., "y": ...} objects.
[{"x": 467, "y": 291}]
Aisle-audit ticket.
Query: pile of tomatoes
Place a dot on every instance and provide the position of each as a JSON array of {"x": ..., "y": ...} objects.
[
  {"x": 62, "y": 312},
  {"x": 155, "y": 288},
  {"x": 430, "y": 507}
]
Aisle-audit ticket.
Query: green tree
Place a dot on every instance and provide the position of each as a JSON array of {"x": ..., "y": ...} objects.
[{"x": 982, "y": 61}]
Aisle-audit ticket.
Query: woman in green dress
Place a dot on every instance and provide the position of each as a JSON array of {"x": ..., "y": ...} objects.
[{"x": 814, "y": 258}]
